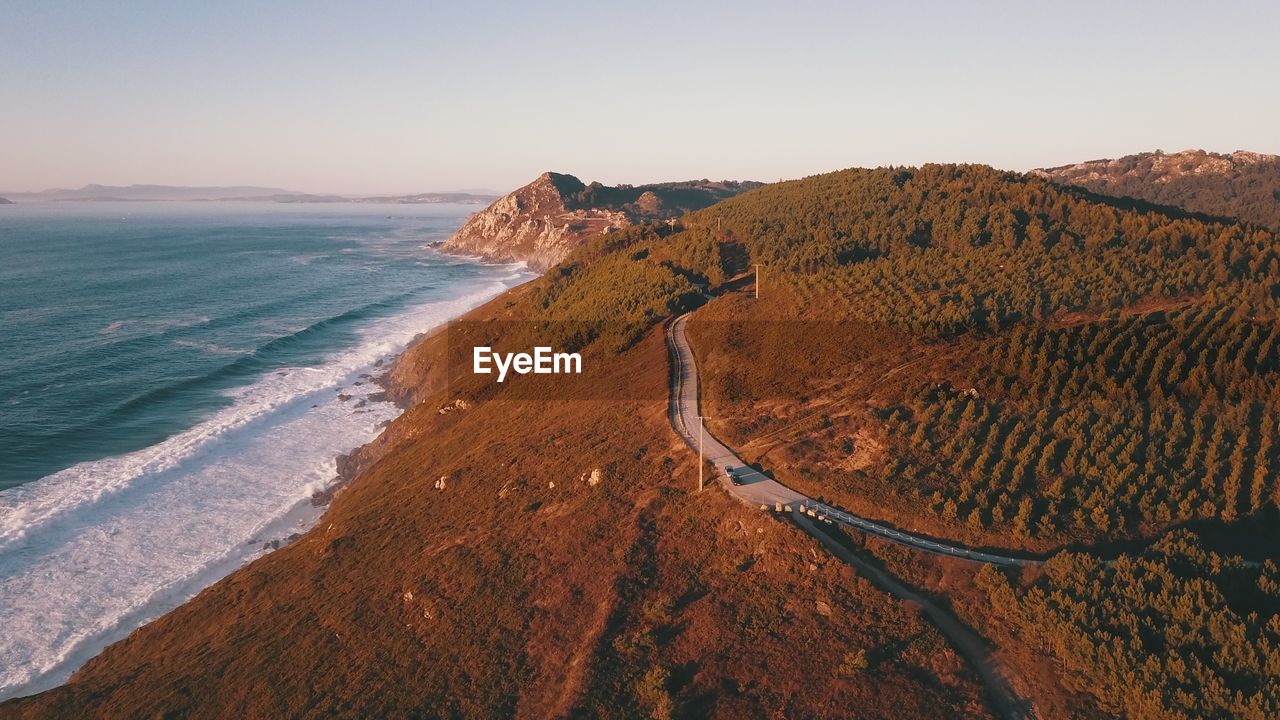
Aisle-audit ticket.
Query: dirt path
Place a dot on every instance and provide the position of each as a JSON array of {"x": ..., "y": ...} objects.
[{"x": 1006, "y": 702}]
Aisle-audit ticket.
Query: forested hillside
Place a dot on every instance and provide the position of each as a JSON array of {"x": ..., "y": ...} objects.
[
  {"x": 1002, "y": 361},
  {"x": 1096, "y": 370},
  {"x": 1176, "y": 632},
  {"x": 946, "y": 248}
]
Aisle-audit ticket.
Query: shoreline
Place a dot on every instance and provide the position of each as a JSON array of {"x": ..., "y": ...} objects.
[
  {"x": 84, "y": 634},
  {"x": 350, "y": 464}
]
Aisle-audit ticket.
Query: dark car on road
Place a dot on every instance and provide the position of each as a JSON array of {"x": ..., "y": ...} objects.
[{"x": 733, "y": 477}]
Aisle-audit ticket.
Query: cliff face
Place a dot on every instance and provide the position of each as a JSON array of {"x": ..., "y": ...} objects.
[
  {"x": 534, "y": 224},
  {"x": 1244, "y": 185},
  {"x": 543, "y": 221}
]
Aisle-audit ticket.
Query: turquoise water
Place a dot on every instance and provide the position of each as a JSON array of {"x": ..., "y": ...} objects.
[
  {"x": 176, "y": 381},
  {"x": 125, "y": 322}
]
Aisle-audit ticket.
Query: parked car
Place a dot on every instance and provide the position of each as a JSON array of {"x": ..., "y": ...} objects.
[{"x": 733, "y": 477}]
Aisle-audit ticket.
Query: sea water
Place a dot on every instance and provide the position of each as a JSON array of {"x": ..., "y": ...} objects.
[{"x": 176, "y": 381}]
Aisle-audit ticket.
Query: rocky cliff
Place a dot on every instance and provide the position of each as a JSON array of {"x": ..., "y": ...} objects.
[
  {"x": 1245, "y": 185},
  {"x": 544, "y": 220}
]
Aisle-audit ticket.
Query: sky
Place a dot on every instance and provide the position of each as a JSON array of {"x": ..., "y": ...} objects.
[{"x": 400, "y": 97}]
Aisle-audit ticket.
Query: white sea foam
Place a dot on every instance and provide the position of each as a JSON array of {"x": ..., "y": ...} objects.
[
  {"x": 212, "y": 348},
  {"x": 153, "y": 327},
  {"x": 90, "y": 553}
]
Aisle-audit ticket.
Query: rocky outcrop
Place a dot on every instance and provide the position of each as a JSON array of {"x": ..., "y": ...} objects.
[
  {"x": 533, "y": 224},
  {"x": 1157, "y": 167},
  {"x": 1244, "y": 185},
  {"x": 540, "y": 223}
]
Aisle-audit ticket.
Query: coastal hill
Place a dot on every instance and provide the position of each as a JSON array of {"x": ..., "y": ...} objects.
[
  {"x": 543, "y": 221},
  {"x": 978, "y": 355},
  {"x": 4, "y": 201},
  {"x": 1243, "y": 185},
  {"x": 510, "y": 556}
]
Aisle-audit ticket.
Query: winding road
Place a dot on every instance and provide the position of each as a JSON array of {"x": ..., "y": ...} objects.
[{"x": 758, "y": 489}]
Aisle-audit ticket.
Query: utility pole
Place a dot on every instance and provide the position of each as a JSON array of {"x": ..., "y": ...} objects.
[
  {"x": 757, "y": 281},
  {"x": 701, "y": 463}
]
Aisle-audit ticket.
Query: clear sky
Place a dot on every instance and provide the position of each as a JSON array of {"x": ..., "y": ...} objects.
[{"x": 416, "y": 96}]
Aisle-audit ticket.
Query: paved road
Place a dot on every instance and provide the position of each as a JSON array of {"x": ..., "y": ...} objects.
[{"x": 759, "y": 489}]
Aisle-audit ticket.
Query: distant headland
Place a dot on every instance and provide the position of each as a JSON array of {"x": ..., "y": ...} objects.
[{"x": 543, "y": 221}]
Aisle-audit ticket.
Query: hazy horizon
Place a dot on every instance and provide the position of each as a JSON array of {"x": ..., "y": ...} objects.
[
  {"x": 249, "y": 185},
  {"x": 503, "y": 191},
  {"x": 400, "y": 98}
]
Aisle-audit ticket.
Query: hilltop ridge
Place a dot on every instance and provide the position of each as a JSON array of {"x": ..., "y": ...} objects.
[
  {"x": 1243, "y": 184},
  {"x": 543, "y": 221}
]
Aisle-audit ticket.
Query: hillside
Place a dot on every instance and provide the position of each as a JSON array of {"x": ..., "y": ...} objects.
[
  {"x": 1244, "y": 185},
  {"x": 543, "y": 221},
  {"x": 4, "y": 201},
  {"x": 988, "y": 358},
  {"x": 969, "y": 333},
  {"x": 978, "y": 355},
  {"x": 534, "y": 551}
]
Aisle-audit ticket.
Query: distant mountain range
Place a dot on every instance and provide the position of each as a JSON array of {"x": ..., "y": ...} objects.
[
  {"x": 1244, "y": 185},
  {"x": 171, "y": 193}
]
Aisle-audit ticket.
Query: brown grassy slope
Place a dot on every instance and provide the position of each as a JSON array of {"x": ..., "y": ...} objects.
[
  {"x": 951, "y": 582},
  {"x": 505, "y": 596}
]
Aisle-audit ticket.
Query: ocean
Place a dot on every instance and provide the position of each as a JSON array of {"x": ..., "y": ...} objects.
[{"x": 176, "y": 381}]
